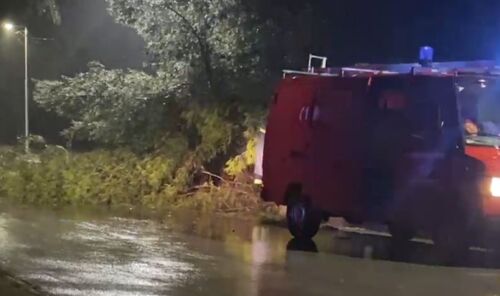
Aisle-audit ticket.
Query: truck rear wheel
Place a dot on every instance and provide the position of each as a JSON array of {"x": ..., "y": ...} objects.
[
  {"x": 303, "y": 220},
  {"x": 451, "y": 238}
]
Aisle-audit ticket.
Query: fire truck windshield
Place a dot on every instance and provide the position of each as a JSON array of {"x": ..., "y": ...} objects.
[{"x": 479, "y": 101}]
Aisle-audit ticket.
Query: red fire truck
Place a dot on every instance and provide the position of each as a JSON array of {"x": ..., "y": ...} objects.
[{"x": 413, "y": 146}]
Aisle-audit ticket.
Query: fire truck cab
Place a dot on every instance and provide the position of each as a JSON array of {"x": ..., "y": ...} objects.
[{"x": 412, "y": 146}]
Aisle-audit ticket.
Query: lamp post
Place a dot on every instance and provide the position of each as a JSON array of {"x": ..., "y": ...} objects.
[{"x": 11, "y": 27}]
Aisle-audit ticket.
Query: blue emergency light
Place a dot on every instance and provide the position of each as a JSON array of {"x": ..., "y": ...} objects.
[{"x": 426, "y": 55}]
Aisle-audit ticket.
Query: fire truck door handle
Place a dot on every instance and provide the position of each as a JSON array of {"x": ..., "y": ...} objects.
[
  {"x": 301, "y": 114},
  {"x": 308, "y": 114}
]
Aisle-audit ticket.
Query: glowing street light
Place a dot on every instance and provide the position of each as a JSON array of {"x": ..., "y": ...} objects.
[
  {"x": 8, "y": 26},
  {"x": 11, "y": 27}
]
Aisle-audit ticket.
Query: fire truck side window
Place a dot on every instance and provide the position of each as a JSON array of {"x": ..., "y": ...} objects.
[
  {"x": 389, "y": 127},
  {"x": 414, "y": 106},
  {"x": 424, "y": 109},
  {"x": 425, "y": 116}
]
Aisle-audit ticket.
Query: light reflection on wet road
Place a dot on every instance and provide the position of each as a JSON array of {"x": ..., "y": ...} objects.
[{"x": 68, "y": 255}]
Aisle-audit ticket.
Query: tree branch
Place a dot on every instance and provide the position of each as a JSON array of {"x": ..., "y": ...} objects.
[{"x": 203, "y": 46}]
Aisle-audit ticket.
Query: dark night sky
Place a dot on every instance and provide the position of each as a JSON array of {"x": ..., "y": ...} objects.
[
  {"x": 348, "y": 31},
  {"x": 393, "y": 30},
  {"x": 86, "y": 33}
]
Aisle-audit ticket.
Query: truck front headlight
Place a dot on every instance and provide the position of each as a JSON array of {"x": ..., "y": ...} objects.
[{"x": 495, "y": 187}]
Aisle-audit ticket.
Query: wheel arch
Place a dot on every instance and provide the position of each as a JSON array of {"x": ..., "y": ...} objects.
[{"x": 292, "y": 190}]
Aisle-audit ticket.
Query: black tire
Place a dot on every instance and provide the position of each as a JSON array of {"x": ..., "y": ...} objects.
[
  {"x": 452, "y": 241},
  {"x": 303, "y": 220},
  {"x": 302, "y": 246}
]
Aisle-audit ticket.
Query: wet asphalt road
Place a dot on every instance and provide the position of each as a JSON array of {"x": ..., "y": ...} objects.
[{"x": 93, "y": 254}]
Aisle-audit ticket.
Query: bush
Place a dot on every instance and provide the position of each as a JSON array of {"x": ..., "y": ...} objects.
[
  {"x": 99, "y": 177},
  {"x": 56, "y": 177}
]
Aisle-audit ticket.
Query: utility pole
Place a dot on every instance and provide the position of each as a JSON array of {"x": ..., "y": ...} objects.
[{"x": 12, "y": 27}]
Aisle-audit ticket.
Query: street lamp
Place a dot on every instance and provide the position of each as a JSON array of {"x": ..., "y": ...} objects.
[
  {"x": 8, "y": 26},
  {"x": 11, "y": 27}
]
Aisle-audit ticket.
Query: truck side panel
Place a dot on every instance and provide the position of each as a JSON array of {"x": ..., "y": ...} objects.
[
  {"x": 286, "y": 139},
  {"x": 339, "y": 137}
]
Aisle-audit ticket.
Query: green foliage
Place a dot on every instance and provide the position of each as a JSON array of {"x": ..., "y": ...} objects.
[
  {"x": 242, "y": 162},
  {"x": 213, "y": 45},
  {"x": 56, "y": 177},
  {"x": 112, "y": 107},
  {"x": 117, "y": 108},
  {"x": 203, "y": 87},
  {"x": 214, "y": 131},
  {"x": 50, "y": 8},
  {"x": 206, "y": 90}
]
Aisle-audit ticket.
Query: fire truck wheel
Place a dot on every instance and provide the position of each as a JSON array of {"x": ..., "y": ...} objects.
[
  {"x": 451, "y": 241},
  {"x": 303, "y": 220}
]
